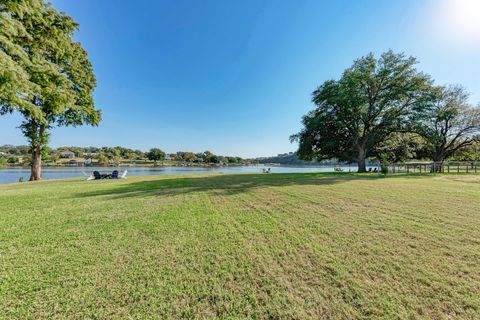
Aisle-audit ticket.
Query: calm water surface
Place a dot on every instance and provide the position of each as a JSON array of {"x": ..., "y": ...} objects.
[{"x": 11, "y": 175}]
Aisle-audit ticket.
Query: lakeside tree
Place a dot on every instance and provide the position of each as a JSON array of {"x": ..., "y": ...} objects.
[
  {"x": 44, "y": 74},
  {"x": 373, "y": 99},
  {"x": 209, "y": 157},
  {"x": 54, "y": 156},
  {"x": 155, "y": 155},
  {"x": 185, "y": 156},
  {"x": 400, "y": 147},
  {"x": 451, "y": 123},
  {"x": 102, "y": 159},
  {"x": 131, "y": 156}
]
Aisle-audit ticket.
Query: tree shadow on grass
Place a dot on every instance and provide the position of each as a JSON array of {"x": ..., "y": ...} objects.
[{"x": 228, "y": 184}]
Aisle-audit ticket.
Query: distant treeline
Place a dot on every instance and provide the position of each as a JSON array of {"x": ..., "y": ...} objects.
[
  {"x": 292, "y": 159},
  {"x": 12, "y": 155},
  {"x": 20, "y": 155}
]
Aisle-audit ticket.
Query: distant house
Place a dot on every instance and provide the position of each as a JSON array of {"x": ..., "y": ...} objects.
[{"x": 67, "y": 155}]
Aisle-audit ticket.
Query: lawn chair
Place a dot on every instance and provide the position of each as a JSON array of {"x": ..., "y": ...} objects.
[
  {"x": 114, "y": 175},
  {"x": 97, "y": 175}
]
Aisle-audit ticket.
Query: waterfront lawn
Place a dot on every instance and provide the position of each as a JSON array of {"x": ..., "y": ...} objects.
[{"x": 291, "y": 246}]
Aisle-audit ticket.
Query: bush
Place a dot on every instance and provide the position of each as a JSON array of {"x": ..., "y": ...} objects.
[
  {"x": 384, "y": 165},
  {"x": 384, "y": 169},
  {"x": 20, "y": 179}
]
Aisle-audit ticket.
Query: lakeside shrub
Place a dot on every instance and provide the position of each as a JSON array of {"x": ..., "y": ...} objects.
[{"x": 384, "y": 165}]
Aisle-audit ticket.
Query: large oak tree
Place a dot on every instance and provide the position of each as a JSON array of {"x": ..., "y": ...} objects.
[
  {"x": 373, "y": 99},
  {"x": 450, "y": 124},
  {"x": 44, "y": 74}
]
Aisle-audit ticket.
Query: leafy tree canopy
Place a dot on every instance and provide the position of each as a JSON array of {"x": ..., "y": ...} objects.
[
  {"x": 373, "y": 99},
  {"x": 155, "y": 155},
  {"x": 44, "y": 74},
  {"x": 450, "y": 123},
  {"x": 402, "y": 146}
]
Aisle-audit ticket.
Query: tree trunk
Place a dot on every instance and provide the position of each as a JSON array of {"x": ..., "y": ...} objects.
[
  {"x": 36, "y": 168},
  {"x": 36, "y": 171},
  {"x": 361, "y": 160},
  {"x": 438, "y": 159}
]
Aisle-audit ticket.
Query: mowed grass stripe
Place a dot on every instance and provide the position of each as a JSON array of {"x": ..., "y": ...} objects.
[{"x": 242, "y": 246}]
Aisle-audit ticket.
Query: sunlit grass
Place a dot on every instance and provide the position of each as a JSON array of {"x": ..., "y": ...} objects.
[{"x": 290, "y": 246}]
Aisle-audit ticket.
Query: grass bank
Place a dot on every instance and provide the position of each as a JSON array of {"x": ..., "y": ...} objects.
[{"x": 290, "y": 246}]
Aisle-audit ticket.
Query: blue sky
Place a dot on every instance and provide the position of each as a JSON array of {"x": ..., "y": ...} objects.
[{"x": 235, "y": 77}]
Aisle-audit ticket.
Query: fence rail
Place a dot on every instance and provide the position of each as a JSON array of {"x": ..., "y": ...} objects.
[{"x": 435, "y": 167}]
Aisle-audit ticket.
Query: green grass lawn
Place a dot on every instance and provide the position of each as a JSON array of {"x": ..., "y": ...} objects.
[{"x": 279, "y": 246}]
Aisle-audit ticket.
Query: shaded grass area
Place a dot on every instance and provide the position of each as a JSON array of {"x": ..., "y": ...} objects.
[{"x": 280, "y": 246}]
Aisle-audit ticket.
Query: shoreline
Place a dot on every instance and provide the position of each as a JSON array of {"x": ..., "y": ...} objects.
[{"x": 192, "y": 166}]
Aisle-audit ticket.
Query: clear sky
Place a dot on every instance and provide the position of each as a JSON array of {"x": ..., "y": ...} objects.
[{"x": 235, "y": 77}]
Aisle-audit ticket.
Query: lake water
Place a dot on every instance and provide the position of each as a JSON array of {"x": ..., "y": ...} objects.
[{"x": 11, "y": 175}]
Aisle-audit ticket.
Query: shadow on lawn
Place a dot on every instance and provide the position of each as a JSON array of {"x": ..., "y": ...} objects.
[{"x": 227, "y": 184}]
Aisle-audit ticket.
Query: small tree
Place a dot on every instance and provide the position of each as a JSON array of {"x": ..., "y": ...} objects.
[
  {"x": 209, "y": 157},
  {"x": 131, "y": 156},
  {"x": 117, "y": 160},
  {"x": 373, "y": 99},
  {"x": 102, "y": 159},
  {"x": 54, "y": 156},
  {"x": 384, "y": 164},
  {"x": 189, "y": 157},
  {"x": 12, "y": 160},
  {"x": 451, "y": 123},
  {"x": 155, "y": 155}
]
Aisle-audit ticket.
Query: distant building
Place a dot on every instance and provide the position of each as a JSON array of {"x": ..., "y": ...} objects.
[{"x": 67, "y": 155}]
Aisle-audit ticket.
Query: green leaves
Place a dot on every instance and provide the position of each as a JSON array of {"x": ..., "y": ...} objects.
[
  {"x": 44, "y": 74},
  {"x": 372, "y": 99},
  {"x": 450, "y": 123},
  {"x": 155, "y": 154},
  {"x": 367, "y": 111}
]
